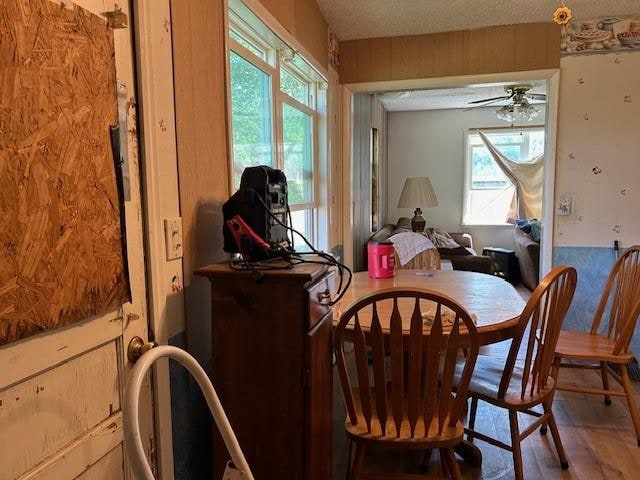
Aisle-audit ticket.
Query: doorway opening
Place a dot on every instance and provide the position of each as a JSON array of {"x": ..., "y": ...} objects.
[{"x": 478, "y": 140}]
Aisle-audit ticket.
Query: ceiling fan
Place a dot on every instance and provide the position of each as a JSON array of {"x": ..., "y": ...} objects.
[
  {"x": 518, "y": 94},
  {"x": 519, "y": 104}
]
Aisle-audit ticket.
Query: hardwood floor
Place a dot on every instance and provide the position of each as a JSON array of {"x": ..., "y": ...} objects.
[{"x": 599, "y": 441}]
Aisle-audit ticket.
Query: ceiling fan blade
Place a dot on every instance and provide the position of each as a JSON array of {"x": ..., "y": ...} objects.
[
  {"x": 487, "y": 104},
  {"x": 536, "y": 96},
  {"x": 494, "y": 99}
]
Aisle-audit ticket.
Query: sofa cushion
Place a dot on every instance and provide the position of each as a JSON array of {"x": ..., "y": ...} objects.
[{"x": 448, "y": 252}]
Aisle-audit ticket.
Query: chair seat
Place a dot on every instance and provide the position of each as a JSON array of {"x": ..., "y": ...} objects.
[
  {"x": 448, "y": 437},
  {"x": 486, "y": 378},
  {"x": 585, "y": 346}
]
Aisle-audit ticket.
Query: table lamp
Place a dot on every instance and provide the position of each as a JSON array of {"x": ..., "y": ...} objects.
[{"x": 417, "y": 192}]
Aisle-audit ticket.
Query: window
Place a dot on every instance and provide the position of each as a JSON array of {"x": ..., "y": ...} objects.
[
  {"x": 276, "y": 106},
  {"x": 488, "y": 192},
  {"x": 251, "y": 116}
]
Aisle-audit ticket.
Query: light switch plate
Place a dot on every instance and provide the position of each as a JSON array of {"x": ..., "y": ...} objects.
[{"x": 173, "y": 237}]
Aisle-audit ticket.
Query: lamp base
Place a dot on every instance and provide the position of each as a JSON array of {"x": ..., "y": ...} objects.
[{"x": 418, "y": 222}]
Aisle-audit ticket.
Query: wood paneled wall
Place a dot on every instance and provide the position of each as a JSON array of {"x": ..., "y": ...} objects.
[
  {"x": 201, "y": 126},
  {"x": 511, "y": 48},
  {"x": 303, "y": 19},
  {"x": 199, "y": 66}
]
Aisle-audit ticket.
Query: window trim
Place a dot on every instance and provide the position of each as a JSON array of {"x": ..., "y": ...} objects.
[
  {"x": 272, "y": 67},
  {"x": 467, "y": 170}
]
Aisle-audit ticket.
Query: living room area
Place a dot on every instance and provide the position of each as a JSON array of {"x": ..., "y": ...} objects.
[{"x": 471, "y": 160}]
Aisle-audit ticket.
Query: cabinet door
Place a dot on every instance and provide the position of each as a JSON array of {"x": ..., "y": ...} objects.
[{"x": 319, "y": 400}]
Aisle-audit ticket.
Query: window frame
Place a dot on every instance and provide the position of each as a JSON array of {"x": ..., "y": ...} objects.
[
  {"x": 274, "y": 63},
  {"x": 525, "y": 147}
]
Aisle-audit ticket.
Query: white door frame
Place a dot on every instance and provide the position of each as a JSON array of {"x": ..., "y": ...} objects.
[
  {"x": 552, "y": 76},
  {"x": 161, "y": 201}
]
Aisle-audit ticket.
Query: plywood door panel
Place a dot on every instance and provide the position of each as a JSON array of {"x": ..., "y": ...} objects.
[
  {"x": 62, "y": 257},
  {"x": 63, "y": 429}
]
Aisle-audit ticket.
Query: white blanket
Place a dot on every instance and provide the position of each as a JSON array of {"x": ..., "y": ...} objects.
[{"x": 409, "y": 244}]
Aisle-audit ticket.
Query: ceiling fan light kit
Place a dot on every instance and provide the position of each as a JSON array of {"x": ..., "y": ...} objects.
[
  {"x": 506, "y": 113},
  {"x": 520, "y": 105}
]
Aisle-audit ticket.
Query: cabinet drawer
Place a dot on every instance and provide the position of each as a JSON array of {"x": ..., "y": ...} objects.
[{"x": 320, "y": 295}]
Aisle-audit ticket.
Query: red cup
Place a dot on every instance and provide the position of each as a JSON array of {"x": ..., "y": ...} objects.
[{"x": 380, "y": 259}]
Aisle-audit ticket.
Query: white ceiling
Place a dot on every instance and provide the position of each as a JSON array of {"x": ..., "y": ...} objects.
[
  {"x": 440, "y": 99},
  {"x": 351, "y": 19}
]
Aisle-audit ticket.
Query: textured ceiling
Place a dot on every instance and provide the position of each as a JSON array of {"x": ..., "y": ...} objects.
[
  {"x": 439, "y": 99},
  {"x": 351, "y": 19}
]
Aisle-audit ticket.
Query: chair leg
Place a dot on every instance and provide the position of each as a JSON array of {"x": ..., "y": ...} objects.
[
  {"x": 555, "y": 434},
  {"x": 452, "y": 464},
  {"x": 426, "y": 460},
  {"x": 633, "y": 408},
  {"x": 444, "y": 463},
  {"x": 358, "y": 461},
  {"x": 472, "y": 417},
  {"x": 555, "y": 370},
  {"x": 349, "y": 460},
  {"x": 605, "y": 382},
  {"x": 515, "y": 445}
]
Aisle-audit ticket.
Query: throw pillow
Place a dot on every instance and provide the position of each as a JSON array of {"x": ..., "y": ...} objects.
[{"x": 440, "y": 238}]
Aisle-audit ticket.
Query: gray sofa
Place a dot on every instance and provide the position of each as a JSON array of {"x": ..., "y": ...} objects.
[
  {"x": 528, "y": 253},
  {"x": 464, "y": 258}
]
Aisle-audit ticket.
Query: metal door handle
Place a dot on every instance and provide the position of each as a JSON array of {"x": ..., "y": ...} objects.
[{"x": 138, "y": 347}]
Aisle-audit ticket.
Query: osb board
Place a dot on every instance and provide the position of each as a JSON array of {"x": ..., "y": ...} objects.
[{"x": 61, "y": 256}]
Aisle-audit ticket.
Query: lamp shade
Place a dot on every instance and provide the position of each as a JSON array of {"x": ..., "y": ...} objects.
[{"x": 417, "y": 192}]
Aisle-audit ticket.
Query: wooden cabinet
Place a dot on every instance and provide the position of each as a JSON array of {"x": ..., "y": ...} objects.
[{"x": 272, "y": 368}]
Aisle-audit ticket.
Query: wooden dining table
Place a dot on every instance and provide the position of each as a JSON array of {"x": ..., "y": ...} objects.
[{"x": 496, "y": 304}]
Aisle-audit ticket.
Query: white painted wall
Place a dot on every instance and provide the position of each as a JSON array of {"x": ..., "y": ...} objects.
[
  {"x": 431, "y": 143},
  {"x": 599, "y": 126}
]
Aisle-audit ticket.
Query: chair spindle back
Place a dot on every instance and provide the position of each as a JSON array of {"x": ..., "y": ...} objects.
[
  {"x": 542, "y": 317},
  {"x": 621, "y": 293},
  {"x": 416, "y": 401},
  {"x": 427, "y": 260}
]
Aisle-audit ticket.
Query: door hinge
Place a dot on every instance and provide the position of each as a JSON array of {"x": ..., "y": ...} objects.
[
  {"x": 306, "y": 374},
  {"x": 116, "y": 18}
]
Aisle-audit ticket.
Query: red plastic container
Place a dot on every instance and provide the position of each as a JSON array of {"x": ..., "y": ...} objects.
[{"x": 381, "y": 259}]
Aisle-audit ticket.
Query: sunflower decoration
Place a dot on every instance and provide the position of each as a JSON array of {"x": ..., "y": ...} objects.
[{"x": 562, "y": 15}]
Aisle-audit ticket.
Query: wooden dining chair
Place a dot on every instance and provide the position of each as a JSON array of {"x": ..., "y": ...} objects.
[
  {"x": 426, "y": 260},
  {"x": 594, "y": 350},
  {"x": 518, "y": 385},
  {"x": 413, "y": 407}
]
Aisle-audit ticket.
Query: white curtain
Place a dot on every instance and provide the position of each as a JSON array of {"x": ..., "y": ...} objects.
[{"x": 527, "y": 178}]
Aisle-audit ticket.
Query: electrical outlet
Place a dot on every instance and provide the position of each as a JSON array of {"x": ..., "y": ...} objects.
[
  {"x": 173, "y": 237},
  {"x": 565, "y": 205}
]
